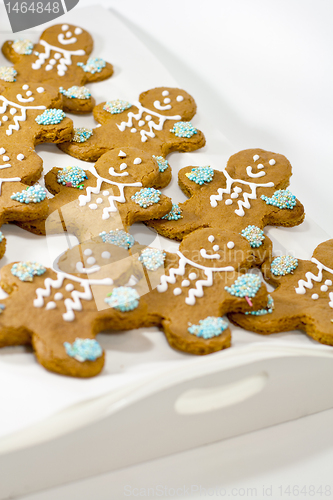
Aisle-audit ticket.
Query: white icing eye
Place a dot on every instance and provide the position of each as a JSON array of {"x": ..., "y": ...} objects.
[
  {"x": 64, "y": 27},
  {"x": 2, "y": 151},
  {"x": 106, "y": 255},
  {"x": 260, "y": 165},
  {"x": 29, "y": 93},
  {"x": 40, "y": 90},
  {"x": 88, "y": 251},
  {"x": 179, "y": 98},
  {"x": 69, "y": 287},
  {"x": 230, "y": 244},
  {"x": 256, "y": 157},
  {"x": 68, "y": 34},
  {"x": 165, "y": 92},
  {"x": 272, "y": 161},
  {"x": 20, "y": 157},
  {"x": 122, "y": 154},
  {"x": 167, "y": 100},
  {"x": 216, "y": 248},
  {"x": 77, "y": 31},
  {"x": 25, "y": 87},
  {"x": 5, "y": 158},
  {"x": 58, "y": 296},
  {"x": 137, "y": 161},
  {"x": 211, "y": 238},
  {"x": 91, "y": 261}
]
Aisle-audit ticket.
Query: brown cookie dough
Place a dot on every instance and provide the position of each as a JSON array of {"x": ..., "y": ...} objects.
[
  {"x": 303, "y": 298},
  {"x": 158, "y": 123},
  {"x": 122, "y": 188},
  {"x": 60, "y": 59}
]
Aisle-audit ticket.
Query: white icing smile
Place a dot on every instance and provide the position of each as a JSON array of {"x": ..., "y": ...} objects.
[
  {"x": 251, "y": 174},
  {"x": 63, "y": 41},
  {"x": 158, "y": 105},
  {"x": 205, "y": 255}
]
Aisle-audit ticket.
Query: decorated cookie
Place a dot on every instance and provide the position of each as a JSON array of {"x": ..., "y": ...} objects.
[
  {"x": 249, "y": 194},
  {"x": 29, "y": 115},
  {"x": 122, "y": 188},
  {"x": 303, "y": 298},
  {"x": 186, "y": 293},
  {"x": 158, "y": 123},
  {"x": 61, "y": 59}
]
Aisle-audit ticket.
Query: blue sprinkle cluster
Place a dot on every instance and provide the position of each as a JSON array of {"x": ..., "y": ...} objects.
[
  {"x": 161, "y": 162},
  {"x": 7, "y": 74},
  {"x": 282, "y": 198},
  {"x": 82, "y": 134},
  {"x": 23, "y": 47},
  {"x": 84, "y": 349},
  {"x": 283, "y": 265},
  {"x": 146, "y": 197},
  {"x": 183, "y": 129},
  {"x": 174, "y": 214},
  {"x": 33, "y": 194},
  {"x": 116, "y": 106},
  {"x": 2, "y": 308},
  {"x": 93, "y": 65},
  {"x": 76, "y": 92},
  {"x": 119, "y": 238},
  {"x": 254, "y": 235},
  {"x": 50, "y": 117},
  {"x": 152, "y": 258},
  {"x": 123, "y": 298},
  {"x": 71, "y": 177},
  {"x": 209, "y": 327},
  {"x": 200, "y": 175},
  {"x": 268, "y": 310},
  {"x": 25, "y": 271},
  {"x": 246, "y": 285}
]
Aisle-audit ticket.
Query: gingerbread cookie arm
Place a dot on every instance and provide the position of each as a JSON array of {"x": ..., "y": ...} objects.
[
  {"x": 105, "y": 73},
  {"x": 284, "y": 217},
  {"x": 13, "y": 56}
]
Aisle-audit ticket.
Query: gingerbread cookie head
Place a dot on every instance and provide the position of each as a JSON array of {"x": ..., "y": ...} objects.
[
  {"x": 249, "y": 192},
  {"x": 61, "y": 58},
  {"x": 156, "y": 123},
  {"x": 303, "y": 298},
  {"x": 69, "y": 37},
  {"x": 169, "y": 101}
]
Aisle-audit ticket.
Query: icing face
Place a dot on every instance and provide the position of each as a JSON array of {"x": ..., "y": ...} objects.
[
  {"x": 15, "y": 104},
  {"x": 169, "y": 101},
  {"x": 68, "y": 37}
]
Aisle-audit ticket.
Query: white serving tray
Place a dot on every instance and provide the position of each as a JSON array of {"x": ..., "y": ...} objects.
[{"x": 150, "y": 400}]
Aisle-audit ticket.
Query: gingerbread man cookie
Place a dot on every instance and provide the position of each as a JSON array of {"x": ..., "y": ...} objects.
[
  {"x": 303, "y": 298},
  {"x": 158, "y": 123},
  {"x": 122, "y": 188},
  {"x": 186, "y": 293},
  {"x": 61, "y": 59},
  {"x": 29, "y": 115},
  {"x": 247, "y": 195}
]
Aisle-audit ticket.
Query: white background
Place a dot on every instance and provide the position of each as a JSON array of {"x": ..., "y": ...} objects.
[{"x": 263, "y": 72}]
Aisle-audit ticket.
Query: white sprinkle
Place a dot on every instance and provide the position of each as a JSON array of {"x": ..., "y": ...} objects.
[
  {"x": 272, "y": 162},
  {"x": 179, "y": 98},
  {"x": 165, "y": 92},
  {"x": 137, "y": 161}
]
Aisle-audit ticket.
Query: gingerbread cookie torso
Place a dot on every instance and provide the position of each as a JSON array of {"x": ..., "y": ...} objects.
[
  {"x": 249, "y": 193},
  {"x": 157, "y": 123},
  {"x": 303, "y": 298},
  {"x": 120, "y": 189},
  {"x": 61, "y": 59},
  {"x": 29, "y": 114}
]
